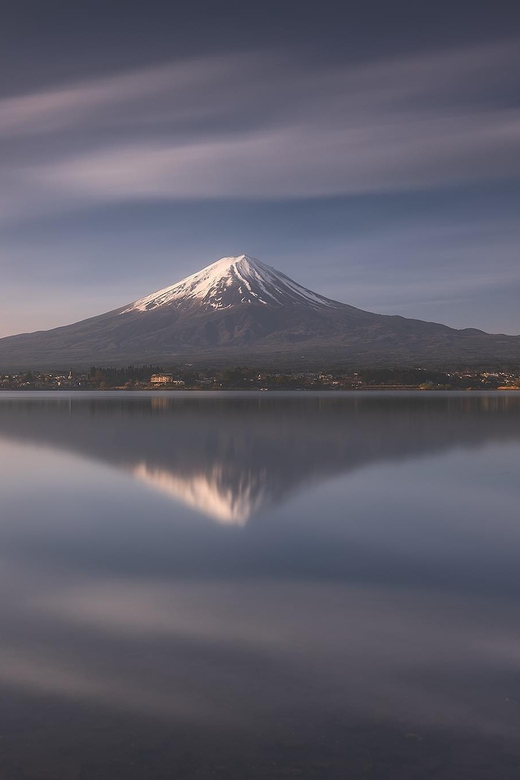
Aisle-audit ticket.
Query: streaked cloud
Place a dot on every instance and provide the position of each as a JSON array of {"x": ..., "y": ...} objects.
[{"x": 264, "y": 126}]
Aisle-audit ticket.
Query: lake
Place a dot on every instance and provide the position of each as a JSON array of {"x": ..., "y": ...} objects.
[{"x": 259, "y": 585}]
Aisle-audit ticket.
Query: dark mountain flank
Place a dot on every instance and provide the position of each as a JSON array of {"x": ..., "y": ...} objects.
[{"x": 239, "y": 310}]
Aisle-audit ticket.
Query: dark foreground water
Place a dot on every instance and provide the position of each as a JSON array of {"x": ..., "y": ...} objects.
[{"x": 259, "y": 586}]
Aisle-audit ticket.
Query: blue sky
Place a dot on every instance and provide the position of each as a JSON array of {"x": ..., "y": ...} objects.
[{"x": 373, "y": 154}]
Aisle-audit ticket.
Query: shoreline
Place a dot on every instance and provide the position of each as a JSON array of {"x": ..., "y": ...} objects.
[{"x": 177, "y": 390}]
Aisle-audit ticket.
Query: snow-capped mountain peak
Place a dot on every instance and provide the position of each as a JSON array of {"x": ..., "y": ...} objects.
[{"x": 232, "y": 281}]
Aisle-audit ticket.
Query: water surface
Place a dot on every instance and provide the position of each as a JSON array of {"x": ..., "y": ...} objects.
[{"x": 259, "y": 585}]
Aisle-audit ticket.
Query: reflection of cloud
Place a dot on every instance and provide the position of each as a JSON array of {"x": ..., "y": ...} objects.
[
  {"x": 413, "y": 655},
  {"x": 206, "y": 492},
  {"x": 70, "y": 678}
]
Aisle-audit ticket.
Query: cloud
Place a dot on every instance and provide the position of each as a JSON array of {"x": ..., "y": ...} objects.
[
  {"x": 115, "y": 98},
  {"x": 300, "y": 161},
  {"x": 263, "y": 126}
]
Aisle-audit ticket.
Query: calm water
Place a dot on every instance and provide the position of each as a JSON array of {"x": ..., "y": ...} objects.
[{"x": 259, "y": 586}]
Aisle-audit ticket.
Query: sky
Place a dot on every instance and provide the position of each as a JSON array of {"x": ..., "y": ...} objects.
[{"x": 371, "y": 151}]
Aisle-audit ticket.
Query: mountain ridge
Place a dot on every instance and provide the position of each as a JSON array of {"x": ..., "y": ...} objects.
[{"x": 238, "y": 310}]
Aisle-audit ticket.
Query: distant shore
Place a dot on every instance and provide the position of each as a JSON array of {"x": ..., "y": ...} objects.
[{"x": 189, "y": 378}]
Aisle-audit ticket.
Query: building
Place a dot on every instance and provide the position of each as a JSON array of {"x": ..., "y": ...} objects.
[{"x": 161, "y": 379}]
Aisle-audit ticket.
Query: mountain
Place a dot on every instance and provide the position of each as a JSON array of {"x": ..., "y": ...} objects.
[{"x": 240, "y": 310}]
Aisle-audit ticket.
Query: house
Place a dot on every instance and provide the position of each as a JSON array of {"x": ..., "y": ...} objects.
[{"x": 161, "y": 379}]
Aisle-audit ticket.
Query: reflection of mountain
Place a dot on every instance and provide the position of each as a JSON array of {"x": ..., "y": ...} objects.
[
  {"x": 215, "y": 493},
  {"x": 231, "y": 456}
]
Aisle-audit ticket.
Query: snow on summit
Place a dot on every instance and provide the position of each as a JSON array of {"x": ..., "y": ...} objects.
[{"x": 232, "y": 281}]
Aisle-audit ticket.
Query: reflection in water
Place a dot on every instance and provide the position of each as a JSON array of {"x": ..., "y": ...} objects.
[
  {"x": 231, "y": 458},
  {"x": 357, "y": 616},
  {"x": 212, "y": 492}
]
